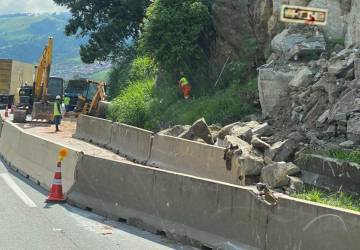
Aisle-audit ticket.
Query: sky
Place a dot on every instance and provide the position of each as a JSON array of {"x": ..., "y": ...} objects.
[{"x": 28, "y": 6}]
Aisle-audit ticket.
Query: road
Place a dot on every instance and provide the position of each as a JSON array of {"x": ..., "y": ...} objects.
[{"x": 28, "y": 223}]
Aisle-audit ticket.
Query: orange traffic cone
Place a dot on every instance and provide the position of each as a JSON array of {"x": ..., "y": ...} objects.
[
  {"x": 56, "y": 193},
  {"x": 7, "y": 112}
]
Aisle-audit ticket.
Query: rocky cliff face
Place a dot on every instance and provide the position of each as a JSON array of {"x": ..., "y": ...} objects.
[
  {"x": 353, "y": 25},
  {"x": 244, "y": 29}
]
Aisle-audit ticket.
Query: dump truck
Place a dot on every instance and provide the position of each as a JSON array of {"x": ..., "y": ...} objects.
[{"x": 13, "y": 74}]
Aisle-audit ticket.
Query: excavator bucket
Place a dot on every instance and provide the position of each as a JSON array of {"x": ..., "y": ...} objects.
[{"x": 43, "y": 111}]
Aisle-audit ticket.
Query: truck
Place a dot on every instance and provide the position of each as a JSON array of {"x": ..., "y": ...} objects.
[
  {"x": 74, "y": 89},
  {"x": 13, "y": 75}
]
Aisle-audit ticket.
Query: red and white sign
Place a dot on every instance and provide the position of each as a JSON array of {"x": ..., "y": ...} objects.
[{"x": 304, "y": 15}]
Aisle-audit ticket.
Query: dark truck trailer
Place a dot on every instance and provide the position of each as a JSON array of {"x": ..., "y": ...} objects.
[
  {"x": 74, "y": 89},
  {"x": 13, "y": 74}
]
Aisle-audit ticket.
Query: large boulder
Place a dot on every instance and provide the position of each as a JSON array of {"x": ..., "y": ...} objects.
[
  {"x": 345, "y": 104},
  {"x": 303, "y": 78},
  {"x": 298, "y": 42},
  {"x": 244, "y": 133},
  {"x": 353, "y": 129},
  {"x": 282, "y": 150},
  {"x": 263, "y": 130},
  {"x": 227, "y": 129},
  {"x": 248, "y": 161},
  {"x": 175, "y": 131},
  {"x": 199, "y": 130},
  {"x": 273, "y": 85},
  {"x": 337, "y": 11},
  {"x": 352, "y": 37},
  {"x": 277, "y": 174}
]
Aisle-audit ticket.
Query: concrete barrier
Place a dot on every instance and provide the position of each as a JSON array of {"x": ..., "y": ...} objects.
[
  {"x": 329, "y": 173},
  {"x": 35, "y": 157},
  {"x": 94, "y": 130},
  {"x": 191, "y": 157},
  {"x": 131, "y": 142},
  {"x": 208, "y": 213}
]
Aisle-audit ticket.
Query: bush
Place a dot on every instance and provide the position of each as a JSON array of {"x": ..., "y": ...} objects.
[
  {"x": 140, "y": 69},
  {"x": 131, "y": 106}
]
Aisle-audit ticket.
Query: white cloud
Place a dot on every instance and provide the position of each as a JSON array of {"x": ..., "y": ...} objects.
[{"x": 29, "y": 6}]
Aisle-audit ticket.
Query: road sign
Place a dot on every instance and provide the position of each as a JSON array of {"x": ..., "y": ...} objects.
[{"x": 304, "y": 15}]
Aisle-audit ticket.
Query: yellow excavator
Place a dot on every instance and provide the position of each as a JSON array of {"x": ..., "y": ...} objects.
[
  {"x": 45, "y": 88},
  {"x": 88, "y": 101}
]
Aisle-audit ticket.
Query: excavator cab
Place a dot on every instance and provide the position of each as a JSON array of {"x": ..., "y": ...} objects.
[{"x": 88, "y": 102}]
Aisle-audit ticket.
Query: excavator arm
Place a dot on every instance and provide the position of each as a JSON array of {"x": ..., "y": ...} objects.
[{"x": 42, "y": 73}]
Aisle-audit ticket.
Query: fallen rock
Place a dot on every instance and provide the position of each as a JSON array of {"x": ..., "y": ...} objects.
[
  {"x": 277, "y": 174},
  {"x": 296, "y": 184},
  {"x": 259, "y": 144},
  {"x": 282, "y": 150},
  {"x": 175, "y": 131},
  {"x": 263, "y": 130},
  {"x": 249, "y": 161},
  {"x": 243, "y": 133},
  {"x": 303, "y": 78},
  {"x": 214, "y": 130},
  {"x": 347, "y": 144},
  {"x": 345, "y": 104},
  {"x": 226, "y": 130},
  {"x": 353, "y": 129},
  {"x": 198, "y": 130},
  {"x": 323, "y": 118}
]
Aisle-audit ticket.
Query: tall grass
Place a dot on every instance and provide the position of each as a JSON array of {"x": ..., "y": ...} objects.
[
  {"x": 352, "y": 156},
  {"x": 339, "y": 199},
  {"x": 142, "y": 104}
]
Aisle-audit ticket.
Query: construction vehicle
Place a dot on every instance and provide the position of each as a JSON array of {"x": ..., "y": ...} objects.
[
  {"x": 12, "y": 75},
  {"x": 74, "y": 89},
  {"x": 39, "y": 99},
  {"x": 88, "y": 101}
]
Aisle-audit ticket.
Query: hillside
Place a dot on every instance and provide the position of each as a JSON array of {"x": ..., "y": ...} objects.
[{"x": 23, "y": 36}]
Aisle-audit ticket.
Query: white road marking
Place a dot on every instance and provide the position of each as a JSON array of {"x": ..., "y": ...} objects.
[{"x": 11, "y": 183}]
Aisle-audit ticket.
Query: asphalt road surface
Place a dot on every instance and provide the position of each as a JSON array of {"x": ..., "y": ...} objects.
[{"x": 26, "y": 222}]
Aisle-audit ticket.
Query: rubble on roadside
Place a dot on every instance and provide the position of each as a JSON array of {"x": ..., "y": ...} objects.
[{"x": 310, "y": 97}]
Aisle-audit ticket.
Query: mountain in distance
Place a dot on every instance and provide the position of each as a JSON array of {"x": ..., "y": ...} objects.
[{"x": 23, "y": 37}]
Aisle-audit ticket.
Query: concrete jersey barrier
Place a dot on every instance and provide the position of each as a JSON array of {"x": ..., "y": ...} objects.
[
  {"x": 36, "y": 157},
  {"x": 191, "y": 157},
  {"x": 94, "y": 130},
  {"x": 208, "y": 213},
  {"x": 131, "y": 142}
]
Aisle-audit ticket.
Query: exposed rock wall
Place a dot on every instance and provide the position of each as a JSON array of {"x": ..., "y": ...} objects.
[{"x": 353, "y": 25}]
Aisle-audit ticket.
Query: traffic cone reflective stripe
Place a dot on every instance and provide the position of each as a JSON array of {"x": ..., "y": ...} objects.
[{"x": 56, "y": 193}]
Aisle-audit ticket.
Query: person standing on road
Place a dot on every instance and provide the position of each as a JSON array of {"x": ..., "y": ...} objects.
[
  {"x": 57, "y": 113},
  {"x": 185, "y": 86},
  {"x": 67, "y": 103}
]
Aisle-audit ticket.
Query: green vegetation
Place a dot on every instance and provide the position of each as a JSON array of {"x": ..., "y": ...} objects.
[
  {"x": 145, "y": 38},
  {"x": 171, "y": 32},
  {"x": 109, "y": 25},
  {"x": 332, "y": 199},
  {"x": 141, "y": 103},
  {"x": 352, "y": 156}
]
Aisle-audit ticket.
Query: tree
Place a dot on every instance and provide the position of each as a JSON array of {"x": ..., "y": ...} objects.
[
  {"x": 172, "y": 31},
  {"x": 112, "y": 26}
]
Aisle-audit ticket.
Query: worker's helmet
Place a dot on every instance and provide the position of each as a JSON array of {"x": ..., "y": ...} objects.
[{"x": 58, "y": 97}]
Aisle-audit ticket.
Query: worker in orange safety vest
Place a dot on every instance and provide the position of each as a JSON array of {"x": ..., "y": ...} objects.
[{"x": 185, "y": 85}]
